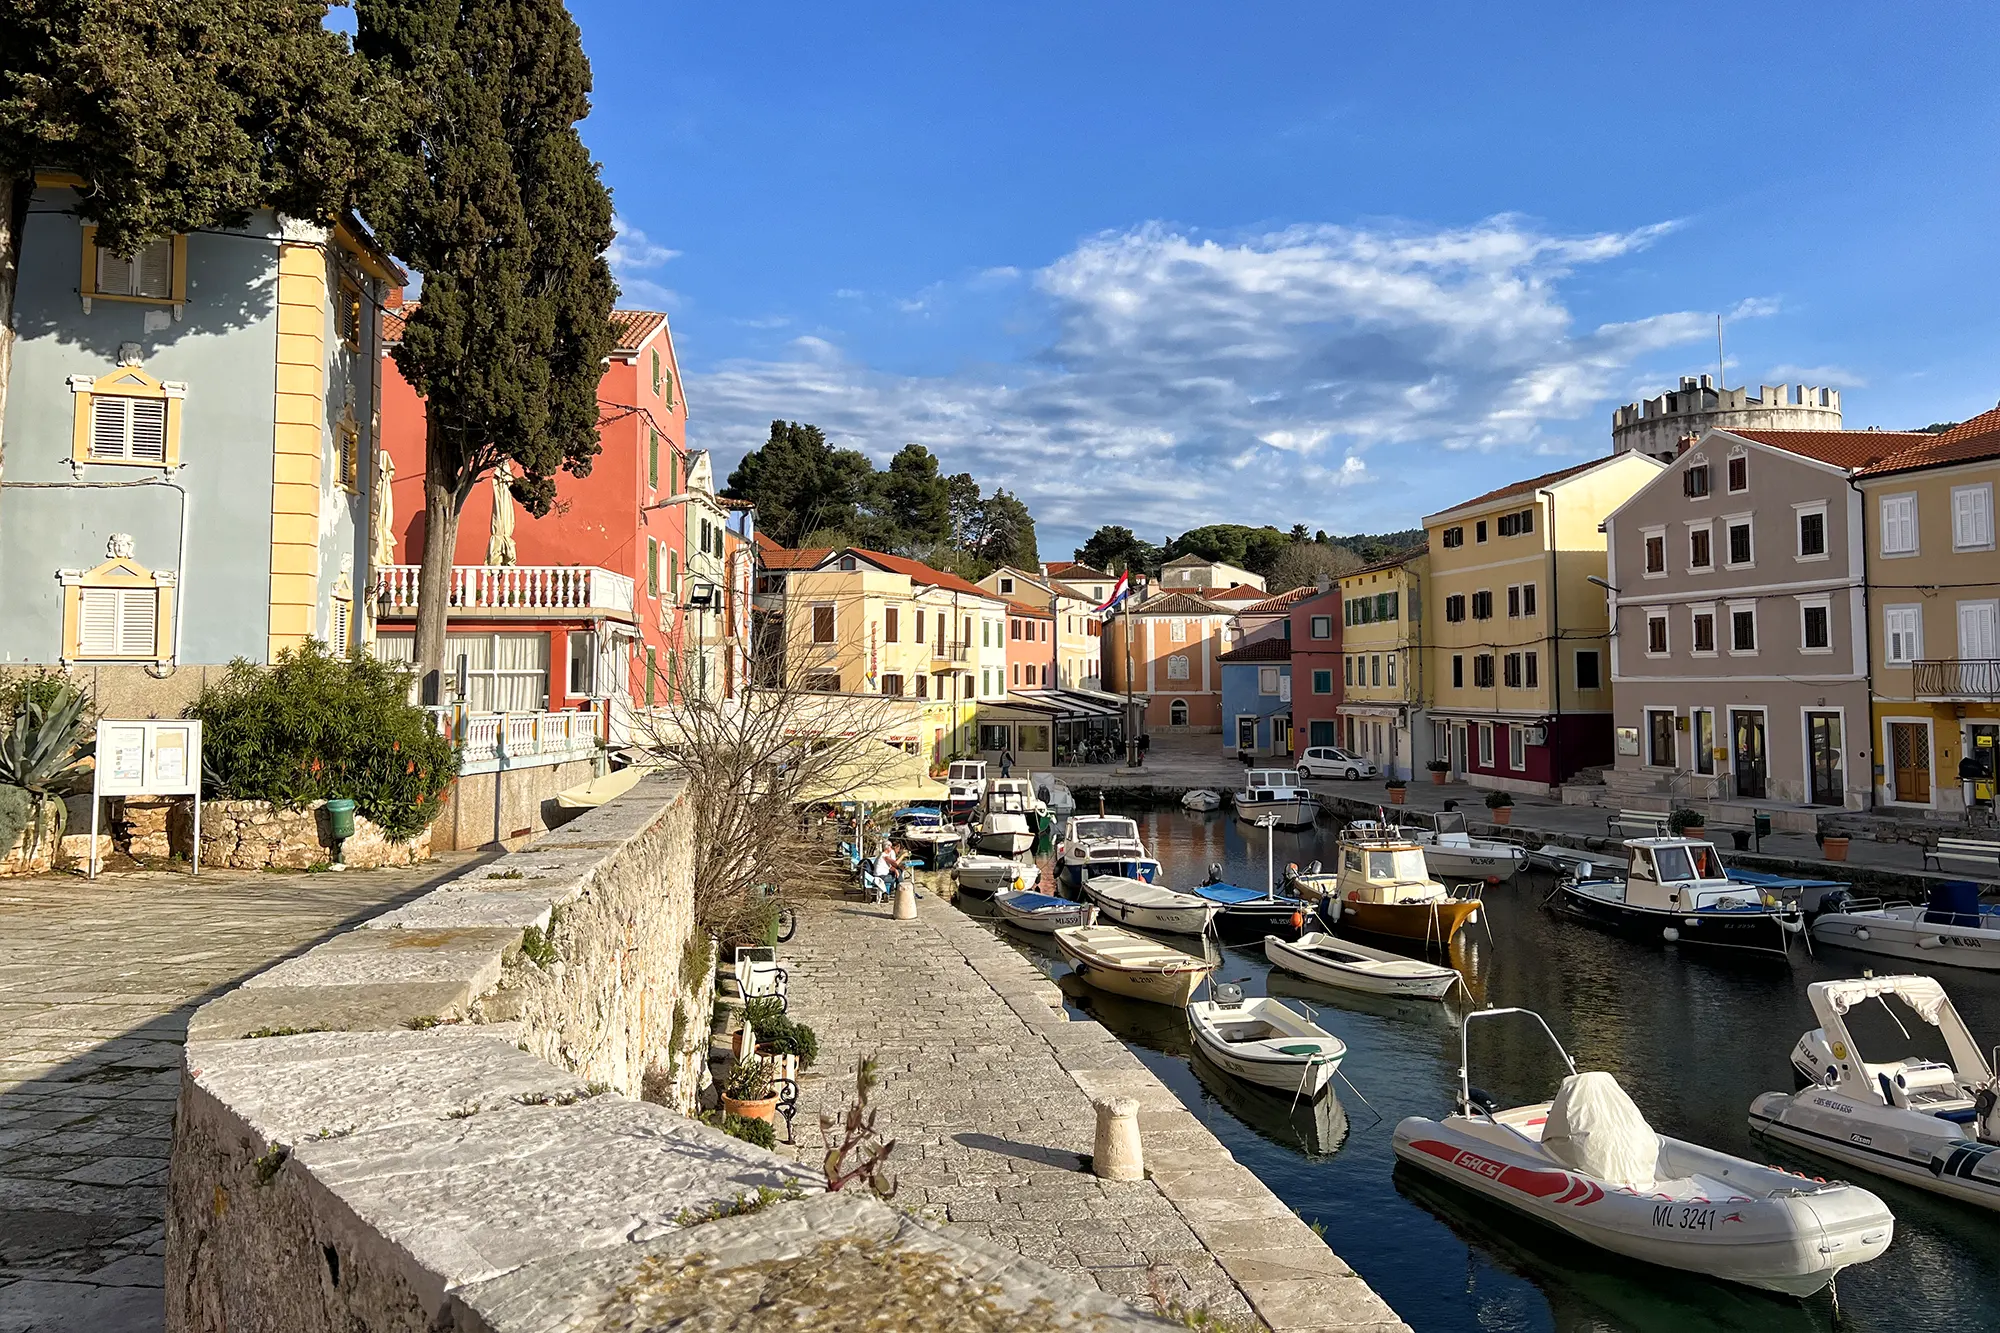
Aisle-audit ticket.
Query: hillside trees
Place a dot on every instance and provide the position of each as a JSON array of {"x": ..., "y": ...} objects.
[{"x": 491, "y": 195}]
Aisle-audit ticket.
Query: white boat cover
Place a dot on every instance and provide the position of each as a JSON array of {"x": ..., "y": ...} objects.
[
  {"x": 1923, "y": 994},
  {"x": 1595, "y": 1130}
]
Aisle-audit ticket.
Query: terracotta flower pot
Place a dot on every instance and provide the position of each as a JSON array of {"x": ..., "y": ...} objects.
[
  {"x": 764, "y": 1108},
  {"x": 1396, "y": 796},
  {"x": 1503, "y": 814},
  {"x": 1695, "y": 831},
  {"x": 1438, "y": 777},
  {"x": 1835, "y": 849}
]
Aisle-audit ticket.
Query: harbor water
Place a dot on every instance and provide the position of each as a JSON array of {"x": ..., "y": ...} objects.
[{"x": 1692, "y": 1037}]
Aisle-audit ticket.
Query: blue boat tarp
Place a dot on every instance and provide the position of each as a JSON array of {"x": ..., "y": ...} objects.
[
  {"x": 1231, "y": 895},
  {"x": 1761, "y": 880},
  {"x": 1036, "y": 902},
  {"x": 919, "y": 814}
]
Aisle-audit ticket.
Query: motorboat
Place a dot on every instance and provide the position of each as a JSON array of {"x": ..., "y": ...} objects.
[
  {"x": 965, "y": 787},
  {"x": 1383, "y": 888},
  {"x": 1133, "y": 902},
  {"x": 982, "y": 875},
  {"x": 1006, "y": 822},
  {"x": 1587, "y": 1163},
  {"x": 1052, "y": 795},
  {"x": 1201, "y": 800},
  {"x": 1280, "y": 792},
  {"x": 1041, "y": 912},
  {"x": 1568, "y": 860},
  {"x": 1312, "y": 1129},
  {"x": 1102, "y": 845},
  {"x": 936, "y": 845},
  {"x": 1676, "y": 889},
  {"x": 1451, "y": 852},
  {"x": 1312, "y": 882},
  {"x": 1253, "y": 913},
  {"x": 1132, "y": 965},
  {"x": 1928, "y": 1123},
  {"x": 1265, "y": 1041},
  {"x": 1953, "y": 929},
  {"x": 1357, "y": 967}
]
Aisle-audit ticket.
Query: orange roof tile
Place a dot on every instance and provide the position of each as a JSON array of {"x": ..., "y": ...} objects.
[
  {"x": 1273, "y": 649},
  {"x": 775, "y": 556},
  {"x": 1967, "y": 442},
  {"x": 1023, "y": 609},
  {"x": 1241, "y": 592},
  {"x": 1283, "y": 601},
  {"x": 1074, "y": 569},
  {"x": 919, "y": 572},
  {"x": 1522, "y": 487},
  {"x": 1849, "y": 449}
]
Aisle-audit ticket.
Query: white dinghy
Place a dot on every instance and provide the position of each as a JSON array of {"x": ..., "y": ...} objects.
[
  {"x": 1923, "y": 1122},
  {"x": 1201, "y": 800},
  {"x": 1126, "y": 964},
  {"x": 1265, "y": 1041},
  {"x": 1589, "y": 1164},
  {"x": 1350, "y": 966},
  {"x": 1954, "y": 928},
  {"x": 1043, "y": 913},
  {"x": 1133, "y": 902},
  {"x": 982, "y": 874},
  {"x": 1451, "y": 852}
]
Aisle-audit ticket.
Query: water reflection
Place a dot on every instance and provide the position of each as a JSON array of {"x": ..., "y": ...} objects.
[{"x": 1693, "y": 1037}]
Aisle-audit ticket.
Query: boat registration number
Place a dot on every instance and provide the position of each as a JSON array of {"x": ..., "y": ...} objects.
[{"x": 1680, "y": 1217}]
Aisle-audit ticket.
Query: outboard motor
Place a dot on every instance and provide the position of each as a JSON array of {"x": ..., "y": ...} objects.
[
  {"x": 1833, "y": 900},
  {"x": 1479, "y": 1103},
  {"x": 1228, "y": 995},
  {"x": 1984, "y": 1102},
  {"x": 1214, "y": 873}
]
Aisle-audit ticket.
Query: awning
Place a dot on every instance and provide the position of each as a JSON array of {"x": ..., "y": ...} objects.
[
  {"x": 892, "y": 778},
  {"x": 1068, "y": 705},
  {"x": 597, "y": 791}
]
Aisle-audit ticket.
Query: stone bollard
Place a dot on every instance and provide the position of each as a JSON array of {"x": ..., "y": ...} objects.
[
  {"x": 1118, "y": 1155},
  {"x": 906, "y": 901}
]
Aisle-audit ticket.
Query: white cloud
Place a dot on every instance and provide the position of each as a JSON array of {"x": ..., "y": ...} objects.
[
  {"x": 1347, "y": 378},
  {"x": 632, "y": 255}
]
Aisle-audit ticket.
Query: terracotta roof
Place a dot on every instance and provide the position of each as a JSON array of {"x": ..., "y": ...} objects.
[
  {"x": 1851, "y": 449},
  {"x": 1967, "y": 442},
  {"x": 1015, "y": 608},
  {"x": 1273, "y": 649},
  {"x": 634, "y": 327},
  {"x": 775, "y": 556},
  {"x": 1177, "y": 604},
  {"x": 1522, "y": 487},
  {"x": 392, "y": 324},
  {"x": 1074, "y": 569},
  {"x": 1392, "y": 561},
  {"x": 1242, "y": 592},
  {"x": 1061, "y": 589},
  {"x": 919, "y": 572},
  {"x": 1283, "y": 601}
]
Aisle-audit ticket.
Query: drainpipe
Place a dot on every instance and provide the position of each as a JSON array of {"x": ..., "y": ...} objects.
[
  {"x": 180, "y": 567},
  {"x": 1867, "y": 629}
]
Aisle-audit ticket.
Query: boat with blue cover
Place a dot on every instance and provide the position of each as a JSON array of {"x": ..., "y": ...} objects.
[
  {"x": 1254, "y": 913},
  {"x": 1042, "y": 912}
]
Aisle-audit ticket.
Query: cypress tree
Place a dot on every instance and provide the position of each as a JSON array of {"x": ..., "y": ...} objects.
[
  {"x": 178, "y": 115},
  {"x": 495, "y": 201}
]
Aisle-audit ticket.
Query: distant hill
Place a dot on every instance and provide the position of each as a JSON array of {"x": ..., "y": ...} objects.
[{"x": 1379, "y": 546}]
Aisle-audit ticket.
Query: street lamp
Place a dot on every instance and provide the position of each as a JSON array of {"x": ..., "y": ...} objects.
[{"x": 1592, "y": 578}]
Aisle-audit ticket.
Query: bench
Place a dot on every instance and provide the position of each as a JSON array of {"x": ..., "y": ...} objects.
[
  {"x": 1647, "y": 823},
  {"x": 1965, "y": 851}
]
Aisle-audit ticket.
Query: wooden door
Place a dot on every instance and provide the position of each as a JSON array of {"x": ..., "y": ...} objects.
[{"x": 1910, "y": 761}]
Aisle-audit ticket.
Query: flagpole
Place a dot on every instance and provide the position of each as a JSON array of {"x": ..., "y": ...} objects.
[{"x": 1131, "y": 728}]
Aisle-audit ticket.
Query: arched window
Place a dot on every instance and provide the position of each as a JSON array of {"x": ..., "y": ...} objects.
[{"x": 1177, "y": 713}]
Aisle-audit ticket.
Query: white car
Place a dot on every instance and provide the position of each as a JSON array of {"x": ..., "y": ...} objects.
[{"x": 1330, "y": 761}]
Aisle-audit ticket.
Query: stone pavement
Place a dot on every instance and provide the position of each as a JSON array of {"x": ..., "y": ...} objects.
[
  {"x": 96, "y": 984},
  {"x": 987, "y": 1089}
]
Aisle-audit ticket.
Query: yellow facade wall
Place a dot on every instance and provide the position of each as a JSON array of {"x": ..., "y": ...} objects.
[{"x": 298, "y": 444}]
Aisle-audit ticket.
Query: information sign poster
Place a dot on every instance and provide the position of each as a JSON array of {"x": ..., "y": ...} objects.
[{"x": 148, "y": 757}]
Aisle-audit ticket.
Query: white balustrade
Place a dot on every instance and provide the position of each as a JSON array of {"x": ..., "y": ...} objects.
[
  {"x": 493, "y": 741},
  {"x": 514, "y": 587}
]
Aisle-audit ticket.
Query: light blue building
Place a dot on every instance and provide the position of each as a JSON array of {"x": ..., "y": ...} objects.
[{"x": 1257, "y": 697}]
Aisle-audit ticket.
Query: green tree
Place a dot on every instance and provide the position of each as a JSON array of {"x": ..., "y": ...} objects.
[
  {"x": 1115, "y": 549},
  {"x": 803, "y": 486},
  {"x": 914, "y": 499},
  {"x": 492, "y": 196},
  {"x": 178, "y": 116},
  {"x": 963, "y": 497},
  {"x": 1007, "y": 533}
]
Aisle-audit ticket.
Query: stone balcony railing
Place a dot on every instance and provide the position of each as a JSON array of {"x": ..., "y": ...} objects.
[
  {"x": 513, "y": 590},
  {"x": 1968, "y": 678},
  {"x": 492, "y": 742}
]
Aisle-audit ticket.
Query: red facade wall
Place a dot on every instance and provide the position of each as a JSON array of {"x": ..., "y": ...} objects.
[
  {"x": 1031, "y": 648},
  {"x": 1576, "y": 741},
  {"x": 1310, "y": 655}
]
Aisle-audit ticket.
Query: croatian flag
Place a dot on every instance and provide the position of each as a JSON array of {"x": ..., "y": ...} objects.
[{"x": 1119, "y": 592}]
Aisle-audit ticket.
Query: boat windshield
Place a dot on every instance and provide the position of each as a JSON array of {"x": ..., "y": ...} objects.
[
  {"x": 1090, "y": 830},
  {"x": 1673, "y": 864},
  {"x": 1406, "y": 863},
  {"x": 967, "y": 772},
  {"x": 1707, "y": 865}
]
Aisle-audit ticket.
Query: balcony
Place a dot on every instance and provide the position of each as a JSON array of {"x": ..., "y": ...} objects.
[
  {"x": 952, "y": 652},
  {"x": 490, "y": 742},
  {"x": 527, "y": 591},
  {"x": 1969, "y": 679}
]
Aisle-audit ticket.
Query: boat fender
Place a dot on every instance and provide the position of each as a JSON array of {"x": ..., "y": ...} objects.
[
  {"x": 1670, "y": 934},
  {"x": 1861, "y": 933},
  {"x": 1929, "y": 941},
  {"x": 1354, "y": 895},
  {"x": 1792, "y": 927}
]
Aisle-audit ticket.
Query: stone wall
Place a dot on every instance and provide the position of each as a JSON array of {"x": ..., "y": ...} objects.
[
  {"x": 507, "y": 808},
  {"x": 257, "y": 835},
  {"x": 429, "y": 1123}
]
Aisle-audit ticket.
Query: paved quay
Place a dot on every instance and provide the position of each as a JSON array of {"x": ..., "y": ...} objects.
[
  {"x": 96, "y": 984},
  {"x": 987, "y": 1089}
]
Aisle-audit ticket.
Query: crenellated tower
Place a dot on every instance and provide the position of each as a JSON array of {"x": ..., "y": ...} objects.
[{"x": 1657, "y": 425}]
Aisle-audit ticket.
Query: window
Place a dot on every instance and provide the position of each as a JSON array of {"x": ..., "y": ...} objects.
[
  {"x": 1486, "y": 745},
  {"x": 1660, "y": 737},
  {"x": 656, "y": 370},
  {"x": 672, "y": 587},
  {"x": 1482, "y": 605},
  {"x": 652, "y": 567},
  {"x": 1391, "y": 661},
  {"x": 1177, "y": 713},
  {"x": 1177, "y": 667},
  {"x": 1903, "y": 632},
  {"x": 1740, "y": 552},
  {"x": 825, "y": 683},
  {"x": 1375, "y": 669},
  {"x": 653, "y": 458},
  {"x": 1704, "y": 632},
  {"x": 892, "y": 686},
  {"x": 1516, "y": 525},
  {"x": 1454, "y": 536},
  {"x": 1322, "y": 627},
  {"x": 1517, "y": 748},
  {"x": 1458, "y": 671},
  {"x": 1588, "y": 676},
  {"x": 847, "y": 564},
  {"x": 923, "y": 687},
  {"x": 1006, "y": 585},
  {"x": 1656, "y": 552},
  {"x": 347, "y": 456},
  {"x": 1815, "y": 632},
  {"x": 1385, "y": 606},
  {"x": 653, "y": 670},
  {"x": 1014, "y": 627},
  {"x": 1742, "y": 629},
  {"x": 1694, "y": 482},
  {"x": 118, "y": 622},
  {"x": 1534, "y": 673},
  {"x": 1267, "y": 680},
  {"x": 126, "y": 417},
  {"x": 1479, "y": 531},
  {"x": 892, "y": 625},
  {"x": 158, "y": 272},
  {"x": 1177, "y": 631},
  {"x": 1482, "y": 671},
  {"x": 1739, "y": 472},
  {"x": 1972, "y": 517},
  {"x": 1700, "y": 556},
  {"x": 1527, "y": 599},
  {"x": 1899, "y": 525},
  {"x": 1349, "y": 664},
  {"x": 1454, "y": 607},
  {"x": 823, "y": 622},
  {"x": 1510, "y": 670},
  {"x": 1656, "y": 634},
  {"x": 1322, "y": 682},
  {"x": 1812, "y": 533},
  {"x": 1513, "y": 601},
  {"x": 347, "y": 320}
]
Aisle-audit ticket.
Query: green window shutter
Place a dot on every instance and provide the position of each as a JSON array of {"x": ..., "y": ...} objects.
[
  {"x": 652, "y": 567},
  {"x": 656, "y": 370},
  {"x": 667, "y": 387},
  {"x": 653, "y": 460},
  {"x": 673, "y": 473},
  {"x": 674, "y": 574},
  {"x": 673, "y": 672},
  {"x": 652, "y": 661}
]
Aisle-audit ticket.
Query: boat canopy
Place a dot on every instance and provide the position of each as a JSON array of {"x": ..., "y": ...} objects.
[
  {"x": 1102, "y": 828},
  {"x": 1594, "y": 1128},
  {"x": 1923, "y": 996},
  {"x": 1232, "y": 893}
]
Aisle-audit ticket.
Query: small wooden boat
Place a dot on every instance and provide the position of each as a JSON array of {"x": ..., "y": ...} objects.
[
  {"x": 1201, "y": 800},
  {"x": 1133, "y": 902},
  {"x": 982, "y": 876},
  {"x": 1132, "y": 965},
  {"x": 1253, "y": 913},
  {"x": 1041, "y": 912},
  {"x": 1383, "y": 888},
  {"x": 1265, "y": 1041},
  {"x": 1351, "y": 966}
]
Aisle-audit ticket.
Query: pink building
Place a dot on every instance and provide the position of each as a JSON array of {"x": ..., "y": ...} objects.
[{"x": 1175, "y": 639}]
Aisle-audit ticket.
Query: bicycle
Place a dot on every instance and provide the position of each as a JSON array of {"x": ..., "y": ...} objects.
[{"x": 788, "y": 917}]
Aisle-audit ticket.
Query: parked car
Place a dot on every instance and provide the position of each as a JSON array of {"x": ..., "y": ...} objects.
[{"x": 1330, "y": 761}]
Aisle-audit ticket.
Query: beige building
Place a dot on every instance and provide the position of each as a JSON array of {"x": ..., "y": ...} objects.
[
  {"x": 1192, "y": 573},
  {"x": 1078, "y": 653}
]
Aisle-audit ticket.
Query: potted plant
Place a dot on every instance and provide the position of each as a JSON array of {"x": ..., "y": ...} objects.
[
  {"x": 1439, "y": 768},
  {"x": 1395, "y": 786},
  {"x": 1685, "y": 823},
  {"x": 788, "y": 1044},
  {"x": 747, "y": 1092},
  {"x": 1502, "y": 806},
  {"x": 1833, "y": 846}
]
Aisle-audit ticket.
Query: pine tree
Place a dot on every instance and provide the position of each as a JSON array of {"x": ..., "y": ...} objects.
[
  {"x": 915, "y": 499},
  {"x": 497, "y": 203},
  {"x": 1007, "y": 533},
  {"x": 178, "y": 115}
]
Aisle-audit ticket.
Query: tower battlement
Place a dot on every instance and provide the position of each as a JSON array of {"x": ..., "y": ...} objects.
[{"x": 1656, "y": 425}]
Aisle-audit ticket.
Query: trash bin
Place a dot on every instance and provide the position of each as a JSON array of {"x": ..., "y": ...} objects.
[
  {"x": 1763, "y": 822},
  {"x": 340, "y": 818}
]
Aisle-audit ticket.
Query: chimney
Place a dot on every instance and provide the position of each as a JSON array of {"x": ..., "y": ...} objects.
[
  {"x": 1686, "y": 443},
  {"x": 1322, "y": 582}
]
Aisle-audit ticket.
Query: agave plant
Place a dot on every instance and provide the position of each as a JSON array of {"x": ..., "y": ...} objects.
[{"x": 37, "y": 751}]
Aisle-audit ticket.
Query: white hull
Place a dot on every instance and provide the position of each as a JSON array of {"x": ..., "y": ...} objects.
[
  {"x": 1471, "y": 863},
  {"x": 990, "y": 874},
  {"x": 1720, "y": 1218},
  {"x": 1907, "y": 935},
  {"x": 1124, "y": 964},
  {"x": 1291, "y": 814},
  {"x": 1191, "y": 918},
  {"x": 1005, "y": 843},
  {"x": 1044, "y": 920},
  {"x": 1823, "y": 1123},
  {"x": 1356, "y": 967},
  {"x": 1262, "y": 1042}
]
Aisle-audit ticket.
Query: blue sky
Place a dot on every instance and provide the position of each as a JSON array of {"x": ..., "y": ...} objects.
[{"x": 1163, "y": 264}]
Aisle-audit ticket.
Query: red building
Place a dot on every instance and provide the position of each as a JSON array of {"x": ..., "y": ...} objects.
[
  {"x": 1031, "y": 647},
  {"x": 583, "y": 605},
  {"x": 1316, "y": 669}
]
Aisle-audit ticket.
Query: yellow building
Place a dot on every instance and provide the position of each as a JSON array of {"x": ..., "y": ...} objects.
[
  {"x": 1519, "y": 672},
  {"x": 1383, "y": 666},
  {"x": 1934, "y": 618},
  {"x": 863, "y": 622},
  {"x": 1078, "y": 650}
]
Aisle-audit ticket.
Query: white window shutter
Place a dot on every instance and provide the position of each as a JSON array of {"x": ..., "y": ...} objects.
[
  {"x": 110, "y": 419},
  {"x": 148, "y": 441},
  {"x": 154, "y": 265},
  {"x": 1971, "y": 517},
  {"x": 97, "y": 624},
  {"x": 138, "y": 622},
  {"x": 342, "y": 613},
  {"x": 114, "y": 274}
]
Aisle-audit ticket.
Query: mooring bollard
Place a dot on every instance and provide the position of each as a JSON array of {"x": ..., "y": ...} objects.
[
  {"x": 1118, "y": 1155},
  {"x": 906, "y": 901}
]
